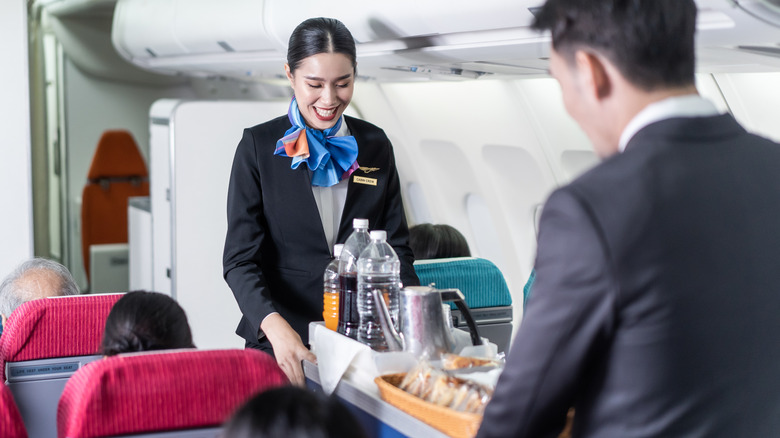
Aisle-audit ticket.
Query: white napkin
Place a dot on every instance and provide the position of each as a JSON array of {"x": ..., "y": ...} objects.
[
  {"x": 341, "y": 358},
  {"x": 335, "y": 353}
]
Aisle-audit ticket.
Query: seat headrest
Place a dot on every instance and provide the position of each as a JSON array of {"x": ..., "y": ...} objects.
[
  {"x": 116, "y": 156},
  {"x": 155, "y": 391},
  {"x": 55, "y": 327},
  {"x": 11, "y": 423},
  {"x": 481, "y": 282}
]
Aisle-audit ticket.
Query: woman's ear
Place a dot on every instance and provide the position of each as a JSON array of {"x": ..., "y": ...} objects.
[
  {"x": 289, "y": 74},
  {"x": 595, "y": 76}
]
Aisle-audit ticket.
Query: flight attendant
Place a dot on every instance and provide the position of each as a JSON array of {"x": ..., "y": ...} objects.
[{"x": 296, "y": 184}]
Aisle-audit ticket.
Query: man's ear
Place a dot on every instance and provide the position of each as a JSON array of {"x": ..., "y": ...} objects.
[{"x": 593, "y": 71}]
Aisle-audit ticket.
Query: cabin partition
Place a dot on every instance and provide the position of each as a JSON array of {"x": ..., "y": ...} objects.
[{"x": 192, "y": 144}]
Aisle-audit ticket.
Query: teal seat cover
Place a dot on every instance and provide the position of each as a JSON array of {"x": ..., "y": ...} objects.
[{"x": 481, "y": 282}]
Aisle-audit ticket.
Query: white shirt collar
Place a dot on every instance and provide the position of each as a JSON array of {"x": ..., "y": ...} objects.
[
  {"x": 330, "y": 200},
  {"x": 691, "y": 105},
  {"x": 343, "y": 129}
]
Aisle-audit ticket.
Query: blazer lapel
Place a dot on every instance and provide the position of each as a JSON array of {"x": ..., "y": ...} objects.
[
  {"x": 301, "y": 201},
  {"x": 356, "y": 195}
]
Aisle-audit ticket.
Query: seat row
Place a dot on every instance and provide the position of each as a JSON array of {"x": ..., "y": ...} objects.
[{"x": 53, "y": 375}]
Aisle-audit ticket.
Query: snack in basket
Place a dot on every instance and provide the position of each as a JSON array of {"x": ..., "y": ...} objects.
[
  {"x": 453, "y": 423},
  {"x": 444, "y": 390},
  {"x": 415, "y": 380},
  {"x": 455, "y": 362}
]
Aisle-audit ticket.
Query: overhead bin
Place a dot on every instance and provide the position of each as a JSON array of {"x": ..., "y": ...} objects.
[
  {"x": 371, "y": 21},
  {"x": 765, "y": 10},
  {"x": 145, "y": 31},
  {"x": 398, "y": 40}
]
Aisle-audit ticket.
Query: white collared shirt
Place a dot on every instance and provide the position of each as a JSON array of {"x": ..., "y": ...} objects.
[
  {"x": 691, "y": 105},
  {"x": 330, "y": 200}
]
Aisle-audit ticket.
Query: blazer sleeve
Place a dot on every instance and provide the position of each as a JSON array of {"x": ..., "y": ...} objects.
[
  {"x": 395, "y": 224},
  {"x": 568, "y": 323},
  {"x": 246, "y": 233}
]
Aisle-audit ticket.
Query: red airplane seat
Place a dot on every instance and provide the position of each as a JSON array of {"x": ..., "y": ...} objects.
[
  {"x": 10, "y": 421},
  {"x": 173, "y": 390},
  {"x": 117, "y": 172},
  {"x": 44, "y": 342},
  {"x": 55, "y": 327}
]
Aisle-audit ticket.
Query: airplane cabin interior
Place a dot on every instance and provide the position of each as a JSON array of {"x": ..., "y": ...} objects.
[{"x": 462, "y": 90}]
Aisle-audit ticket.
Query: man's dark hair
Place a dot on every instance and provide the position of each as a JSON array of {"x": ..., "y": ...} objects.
[{"x": 651, "y": 42}]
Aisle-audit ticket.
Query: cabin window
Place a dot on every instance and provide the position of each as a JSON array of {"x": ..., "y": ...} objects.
[
  {"x": 417, "y": 205},
  {"x": 525, "y": 182},
  {"x": 483, "y": 229}
]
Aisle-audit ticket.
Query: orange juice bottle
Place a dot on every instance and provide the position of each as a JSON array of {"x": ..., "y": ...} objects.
[{"x": 331, "y": 288}]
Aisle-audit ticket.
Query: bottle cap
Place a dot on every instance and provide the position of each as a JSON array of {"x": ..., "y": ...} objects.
[
  {"x": 337, "y": 249},
  {"x": 378, "y": 235},
  {"x": 359, "y": 223}
]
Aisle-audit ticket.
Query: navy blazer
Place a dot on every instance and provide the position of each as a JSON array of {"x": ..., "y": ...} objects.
[
  {"x": 656, "y": 306},
  {"x": 275, "y": 249}
]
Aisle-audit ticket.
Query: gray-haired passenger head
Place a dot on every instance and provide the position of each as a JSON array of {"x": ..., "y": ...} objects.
[{"x": 33, "y": 279}]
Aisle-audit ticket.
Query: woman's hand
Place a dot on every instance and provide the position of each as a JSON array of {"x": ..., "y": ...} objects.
[{"x": 288, "y": 347}]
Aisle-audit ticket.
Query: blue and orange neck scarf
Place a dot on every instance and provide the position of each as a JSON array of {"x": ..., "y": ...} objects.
[{"x": 330, "y": 158}]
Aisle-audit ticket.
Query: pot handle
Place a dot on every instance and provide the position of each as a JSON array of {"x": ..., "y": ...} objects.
[{"x": 456, "y": 296}]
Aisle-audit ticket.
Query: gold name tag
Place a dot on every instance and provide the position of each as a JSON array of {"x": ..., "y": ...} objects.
[{"x": 364, "y": 180}]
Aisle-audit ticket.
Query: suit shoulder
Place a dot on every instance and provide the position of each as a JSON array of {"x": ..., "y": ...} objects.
[
  {"x": 607, "y": 172},
  {"x": 620, "y": 180}
]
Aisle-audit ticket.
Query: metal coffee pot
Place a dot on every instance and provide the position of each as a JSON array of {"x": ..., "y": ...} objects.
[{"x": 421, "y": 321}]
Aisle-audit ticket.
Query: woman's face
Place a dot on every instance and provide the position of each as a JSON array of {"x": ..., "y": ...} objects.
[{"x": 323, "y": 85}]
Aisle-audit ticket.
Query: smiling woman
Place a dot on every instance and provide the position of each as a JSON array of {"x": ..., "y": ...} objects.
[
  {"x": 284, "y": 217},
  {"x": 321, "y": 67},
  {"x": 323, "y": 85}
]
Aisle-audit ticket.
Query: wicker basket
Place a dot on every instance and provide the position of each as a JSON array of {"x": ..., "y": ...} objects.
[{"x": 453, "y": 423}]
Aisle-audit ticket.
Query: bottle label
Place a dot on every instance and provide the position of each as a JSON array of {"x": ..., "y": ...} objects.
[{"x": 349, "y": 319}]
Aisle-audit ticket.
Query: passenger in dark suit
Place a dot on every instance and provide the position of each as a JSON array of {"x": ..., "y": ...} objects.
[
  {"x": 656, "y": 305},
  {"x": 284, "y": 217}
]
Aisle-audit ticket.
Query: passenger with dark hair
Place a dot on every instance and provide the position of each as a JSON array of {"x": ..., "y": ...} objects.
[
  {"x": 654, "y": 310},
  {"x": 144, "y": 321},
  {"x": 439, "y": 241},
  {"x": 297, "y": 183},
  {"x": 292, "y": 412}
]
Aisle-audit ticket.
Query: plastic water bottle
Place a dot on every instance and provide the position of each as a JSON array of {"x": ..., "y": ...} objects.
[
  {"x": 378, "y": 268},
  {"x": 331, "y": 290},
  {"x": 349, "y": 318}
]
